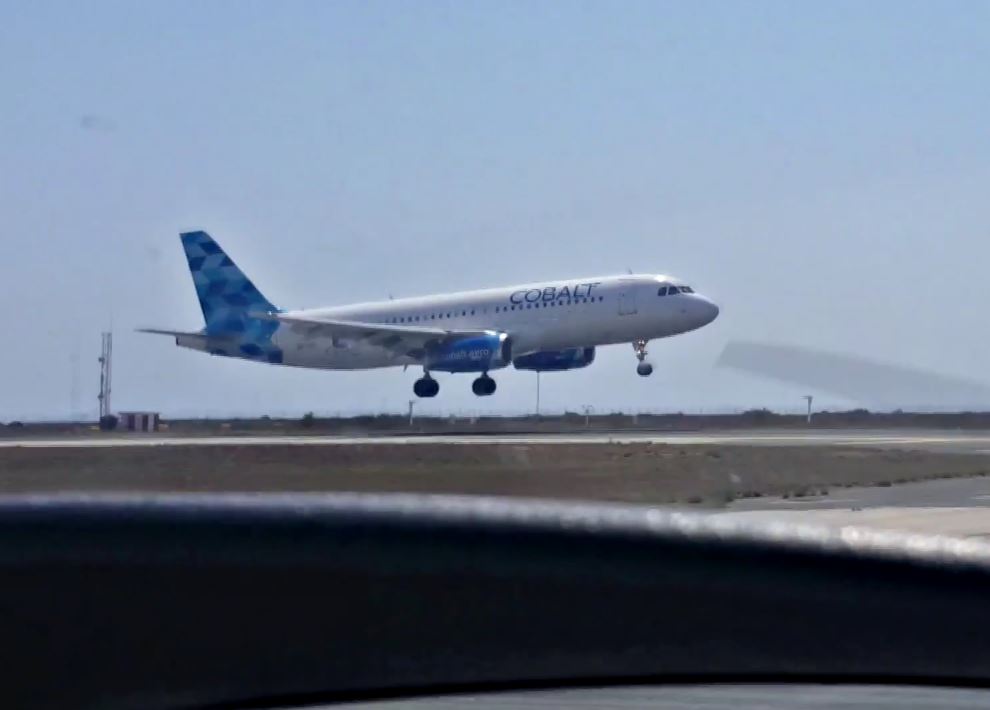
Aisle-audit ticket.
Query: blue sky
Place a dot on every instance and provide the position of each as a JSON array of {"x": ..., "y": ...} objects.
[{"x": 821, "y": 170}]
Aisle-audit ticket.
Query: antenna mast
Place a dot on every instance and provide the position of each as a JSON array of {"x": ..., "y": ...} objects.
[{"x": 106, "y": 356}]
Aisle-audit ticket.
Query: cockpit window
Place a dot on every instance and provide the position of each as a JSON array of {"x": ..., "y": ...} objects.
[{"x": 671, "y": 290}]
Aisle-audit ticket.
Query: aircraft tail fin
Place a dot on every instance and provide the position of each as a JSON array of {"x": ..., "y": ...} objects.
[{"x": 225, "y": 293}]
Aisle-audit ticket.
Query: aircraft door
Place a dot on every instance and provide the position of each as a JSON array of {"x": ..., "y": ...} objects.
[{"x": 627, "y": 300}]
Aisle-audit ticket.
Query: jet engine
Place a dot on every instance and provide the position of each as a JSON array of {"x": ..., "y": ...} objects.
[
  {"x": 555, "y": 360},
  {"x": 480, "y": 353}
]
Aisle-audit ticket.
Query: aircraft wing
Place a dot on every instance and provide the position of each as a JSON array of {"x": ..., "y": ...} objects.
[{"x": 402, "y": 339}]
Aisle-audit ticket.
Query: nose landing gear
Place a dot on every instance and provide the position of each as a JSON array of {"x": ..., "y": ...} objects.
[
  {"x": 483, "y": 386},
  {"x": 426, "y": 386},
  {"x": 643, "y": 369}
]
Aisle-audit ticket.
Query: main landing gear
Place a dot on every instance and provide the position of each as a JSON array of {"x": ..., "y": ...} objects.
[
  {"x": 643, "y": 369},
  {"x": 426, "y": 386},
  {"x": 483, "y": 386}
]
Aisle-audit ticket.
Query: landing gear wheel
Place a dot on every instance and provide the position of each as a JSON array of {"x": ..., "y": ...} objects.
[
  {"x": 483, "y": 386},
  {"x": 643, "y": 369},
  {"x": 426, "y": 387}
]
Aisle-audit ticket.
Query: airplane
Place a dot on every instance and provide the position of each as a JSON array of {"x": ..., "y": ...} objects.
[{"x": 547, "y": 326}]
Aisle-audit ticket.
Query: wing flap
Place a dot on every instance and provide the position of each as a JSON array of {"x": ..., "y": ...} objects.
[{"x": 398, "y": 338}]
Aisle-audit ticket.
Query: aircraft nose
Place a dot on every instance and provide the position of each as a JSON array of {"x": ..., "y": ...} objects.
[{"x": 709, "y": 310}]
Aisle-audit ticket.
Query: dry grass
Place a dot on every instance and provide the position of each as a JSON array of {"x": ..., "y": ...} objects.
[{"x": 635, "y": 473}]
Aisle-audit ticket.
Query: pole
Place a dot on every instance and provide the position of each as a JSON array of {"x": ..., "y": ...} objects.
[
  {"x": 106, "y": 355},
  {"x": 109, "y": 372},
  {"x": 809, "y": 398},
  {"x": 411, "y": 403},
  {"x": 103, "y": 376},
  {"x": 537, "y": 393}
]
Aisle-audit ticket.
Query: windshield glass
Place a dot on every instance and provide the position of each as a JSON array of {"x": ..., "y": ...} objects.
[
  {"x": 351, "y": 220},
  {"x": 436, "y": 248}
]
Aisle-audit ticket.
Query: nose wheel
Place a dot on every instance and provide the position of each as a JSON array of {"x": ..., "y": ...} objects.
[
  {"x": 426, "y": 386},
  {"x": 483, "y": 386},
  {"x": 643, "y": 369}
]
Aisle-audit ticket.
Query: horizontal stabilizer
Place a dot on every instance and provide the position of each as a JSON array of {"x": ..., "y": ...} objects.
[
  {"x": 158, "y": 331},
  {"x": 193, "y": 336}
]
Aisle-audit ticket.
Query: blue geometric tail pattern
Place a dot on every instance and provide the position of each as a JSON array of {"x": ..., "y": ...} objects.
[{"x": 227, "y": 296}]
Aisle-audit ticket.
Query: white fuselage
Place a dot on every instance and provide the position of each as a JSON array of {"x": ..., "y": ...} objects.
[{"x": 538, "y": 317}]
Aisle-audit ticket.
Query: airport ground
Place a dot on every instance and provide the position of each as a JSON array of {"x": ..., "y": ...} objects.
[
  {"x": 693, "y": 470},
  {"x": 923, "y": 480},
  {"x": 568, "y": 423}
]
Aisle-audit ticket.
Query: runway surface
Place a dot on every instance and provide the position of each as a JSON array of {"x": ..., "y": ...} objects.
[
  {"x": 957, "y": 507},
  {"x": 928, "y": 440}
]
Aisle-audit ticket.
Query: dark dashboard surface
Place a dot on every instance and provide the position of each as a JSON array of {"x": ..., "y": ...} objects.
[{"x": 262, "y": 601}]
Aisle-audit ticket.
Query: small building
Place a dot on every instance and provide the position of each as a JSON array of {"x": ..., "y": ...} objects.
[{"x": 138, "y": 421}]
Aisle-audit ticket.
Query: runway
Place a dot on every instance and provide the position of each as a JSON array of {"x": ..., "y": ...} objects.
[
  {"x": 957, "y": 507},
  {"x": 946, "y": 441}
]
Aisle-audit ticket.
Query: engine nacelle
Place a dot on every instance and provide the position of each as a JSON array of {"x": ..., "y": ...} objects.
[
  {"x": 475, "y": 354},
  {"x": 556, "y": 360}
]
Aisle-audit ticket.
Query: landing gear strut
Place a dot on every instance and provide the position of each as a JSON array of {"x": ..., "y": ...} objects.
[
  {"x": 426, "y": 386},
  {"x": 643, "y": 369},
  {"x": 483, "y": 386}
]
